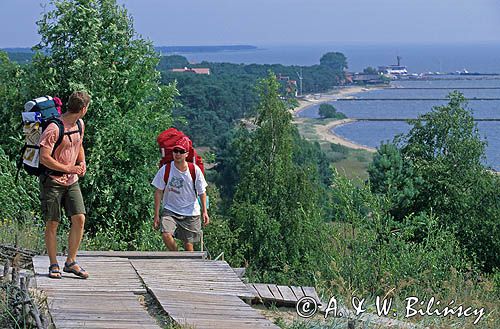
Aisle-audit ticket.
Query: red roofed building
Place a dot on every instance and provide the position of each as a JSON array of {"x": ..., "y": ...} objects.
[{"x": 194, "y": 70}]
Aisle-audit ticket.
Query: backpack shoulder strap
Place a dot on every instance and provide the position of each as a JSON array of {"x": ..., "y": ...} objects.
[
  {"x": 168, "y": 165},
  {"x": 192, "y": 171},
  {"x": 79, "y": 124},
  {"x": 59, "y": 125}
]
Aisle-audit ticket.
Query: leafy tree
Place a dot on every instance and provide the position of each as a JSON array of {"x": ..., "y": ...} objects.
[
  {"x": 329, "y": 111},
  {"x": 446, "y": 151},
  {"x": 334, "y": 60},
  {"x": 11, "y": 100},
  {"x": 92, "y": 45},
  {"x": 393, "y": 177},
  {"x": 172, "y": 62},
  {"x": 275, "y": 207},
  {"x": 370, "y": 70}
]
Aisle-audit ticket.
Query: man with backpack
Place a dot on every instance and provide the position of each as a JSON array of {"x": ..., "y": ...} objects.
[
  {"x": 178, "y": 184},
  {"x": 64, "y": 163}
]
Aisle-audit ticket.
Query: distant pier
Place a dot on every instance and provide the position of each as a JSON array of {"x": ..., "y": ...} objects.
[
  {"x": 442, "y": 88},
  {"x": 413, "y": 99},
  {"x": 403, "y": 120}
]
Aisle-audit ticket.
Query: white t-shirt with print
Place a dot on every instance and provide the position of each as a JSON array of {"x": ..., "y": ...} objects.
[{"x": 179, "y": 196}]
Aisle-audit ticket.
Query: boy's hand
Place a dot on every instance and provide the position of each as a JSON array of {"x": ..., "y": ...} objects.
[
  {"x": 156, "y": 222},
  {"x": 206, "y": 218}
]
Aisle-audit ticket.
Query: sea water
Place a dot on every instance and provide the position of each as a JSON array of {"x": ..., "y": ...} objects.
[{"x": 373, "y": 133}]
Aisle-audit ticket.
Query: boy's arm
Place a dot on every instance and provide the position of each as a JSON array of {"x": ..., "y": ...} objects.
[
  {"x": 204, "y": 212},
  {"x": 158, "y": 196}
]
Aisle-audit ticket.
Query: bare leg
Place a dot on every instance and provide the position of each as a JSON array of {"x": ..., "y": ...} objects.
[
  {"x": 51, "y": 240},
  {"x": 74, "y": 238},
  {"x": 188, "y": 246},
  {"x": 169, "y": 241}
]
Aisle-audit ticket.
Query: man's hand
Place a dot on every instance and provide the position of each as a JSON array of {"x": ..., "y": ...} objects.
[
  {"x": 206, "y": 218},
  {"x": 156, "y": 222},
  {"x": 84, "y": 169},
  {"x": 79, "y": 170}
]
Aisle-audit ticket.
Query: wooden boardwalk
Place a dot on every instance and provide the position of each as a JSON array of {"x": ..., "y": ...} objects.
[
  {"x": 108, "y": 299},
  {"x": 201, "y": 294},
  {"x": 215, "y": 277},
  {"x": 194, "y": 292}
]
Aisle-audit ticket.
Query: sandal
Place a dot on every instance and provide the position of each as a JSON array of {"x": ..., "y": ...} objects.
[
  {"x": 54, "y": 271},
  {"x": 68, "y": 268}
]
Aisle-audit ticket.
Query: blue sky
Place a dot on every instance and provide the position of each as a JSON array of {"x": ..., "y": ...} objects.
[{"x": 261, "y": 22}]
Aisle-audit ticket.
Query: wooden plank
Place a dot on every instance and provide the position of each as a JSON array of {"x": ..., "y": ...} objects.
[
  {"x": 145, "y": 254},
  {"x": 240, "y": 271},
  {"x": 287, "y": 293},
  {"x": 263, "y": 291},
  {"x": 311, "y": 292},
  {"x": 253, "y": 290},
  {"x": 211, "y": 311},
  {"x": 297, "y": 292},
  {"x": 276, "y": 293}
]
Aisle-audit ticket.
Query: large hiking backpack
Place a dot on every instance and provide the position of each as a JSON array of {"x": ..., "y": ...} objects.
[
  {"x": 166, "y": 141},
  {"x": 39, "y": 113}
]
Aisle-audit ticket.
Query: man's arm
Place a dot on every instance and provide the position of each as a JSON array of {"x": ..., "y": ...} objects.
[
  {"x": 80, "y": 160},
  {"x": 158, "y": 197},
  {"x": 48, "y": 161},
  {"x": 204, "y": 212}
]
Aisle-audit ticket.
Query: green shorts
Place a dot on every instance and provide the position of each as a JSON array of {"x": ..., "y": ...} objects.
[
  {"x": 54, "y": 195},
  {"x": 185, "y": 228}
]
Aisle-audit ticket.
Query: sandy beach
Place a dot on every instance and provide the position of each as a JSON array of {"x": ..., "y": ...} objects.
[{"x": 325, "y": 131}]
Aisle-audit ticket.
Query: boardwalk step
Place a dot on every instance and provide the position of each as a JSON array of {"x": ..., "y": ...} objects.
[{"x": 282, "y": 295}]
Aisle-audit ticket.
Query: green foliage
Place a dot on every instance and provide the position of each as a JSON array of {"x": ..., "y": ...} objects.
[
  {"x": 11, "y": 99},
  {"x": 438, "y": 169},
  {"x": 496, "y": 281},
  {"x": 93, "y": 47},
  {"x": 338, "y": 148},
  {"x": 25, "y": 205},
  {"x": 329, "y": 111},
  {"x": 275, "y": 206},
  {"x": 370, "y": 70},
  {"x": 446, "y": 137},
  {"x": 335, "y": 61},
  {"x": 391, "y": 176},
  {"x": 373, "y": 253},
  {"x": 218, "y": 235},
  {"x": 172, "y": 62}
]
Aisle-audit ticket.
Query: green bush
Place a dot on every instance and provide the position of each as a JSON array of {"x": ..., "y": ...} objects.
[
  {"x": 437, "y": 168},
  {"x": 373, "y": 253},
  {"x": 19, "y": 200},
  {"x": 329, "y": 111}
]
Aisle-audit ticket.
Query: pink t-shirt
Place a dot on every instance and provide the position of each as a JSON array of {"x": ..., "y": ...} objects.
[{"x": 67, "y": 152}]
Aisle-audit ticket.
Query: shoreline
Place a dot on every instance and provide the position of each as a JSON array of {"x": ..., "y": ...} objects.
[{"x": 325, "y": 131}]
